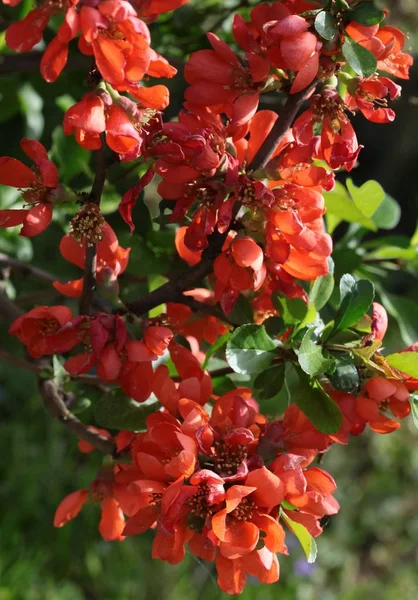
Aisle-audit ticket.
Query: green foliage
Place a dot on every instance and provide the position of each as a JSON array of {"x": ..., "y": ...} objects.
[
  {"x": 308, "y": 395},
  {"x": 407, "y": 362},
  {"x": 326, "y": 25},
  {"x": 321, "y": 291},
  {"x": 361, "y": 60},
  {"x": 116, "y": 411},
  {"x": 249, "y": 349},
  {"x": 356, "y": 298},
  {"x": 311, "y": 356},
  {"x": 367, "y": 14},
  {"x": 304, "y": 537}
]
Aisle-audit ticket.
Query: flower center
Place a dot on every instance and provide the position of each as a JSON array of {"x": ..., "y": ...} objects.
[
  {"x": 228, "y": 458},
  {"x": 88, "y": 224},
  {"x": 244, "y": 511}
]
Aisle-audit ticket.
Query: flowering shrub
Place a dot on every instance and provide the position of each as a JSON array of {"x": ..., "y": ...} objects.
[{"x": 219, "y": 466}]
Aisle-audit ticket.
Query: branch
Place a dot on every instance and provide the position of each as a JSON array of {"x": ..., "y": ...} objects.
[
  {"x": 89, "y": 280},
  {"x": 55, "y": 405},
  {"x": 172, "y": 291},
  {"x": 280, "y": 128},
  {"x": 25, "y": 268},
  {"x": 197, "y": 306}
]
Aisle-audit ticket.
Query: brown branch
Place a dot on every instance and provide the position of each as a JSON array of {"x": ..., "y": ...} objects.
[
  {"x": 280, "y": 128},
  {"x": 208, "y": 309},
  {"x": 55, "y": 404},
  {"x": 89, "y": 280},
  {"x": 172, "y": 291},
  {"x": 25, "y": 268}
]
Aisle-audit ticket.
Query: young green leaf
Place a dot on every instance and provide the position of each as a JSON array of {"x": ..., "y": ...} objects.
[
  {"x": 361, "y": 60},
  {"x": 388, "y": 213},
  {"x": 311, "y": 357},
  {"x": 367, "y": 14},
  {"x": 326, "y": 25},
  {"x": 321, "y": 291},
  {"x": 356, "y": 298},
  {"x": 249, "y": 349},
  {"x": 407, "y": 362},
  {"x": 305, "y": 539},
  {"x": 318, "y": 407},
  {"x": 368, "y": 197},
  {"x": 220, "y": 343},
  {"x": 291, "y": 310},
  {"x": 117, "y": 411}
]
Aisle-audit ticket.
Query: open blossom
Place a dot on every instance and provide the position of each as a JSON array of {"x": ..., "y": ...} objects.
[
  {"x": 43, "y": 331},
  {"x": 112, "y": 260},
  {"x": 39, "y": 187},
  {"x": 369, "y": 96},
  {"x": 338, "y": 144}
]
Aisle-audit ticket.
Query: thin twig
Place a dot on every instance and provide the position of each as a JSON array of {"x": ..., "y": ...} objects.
[
  {"x": 54, "y": 402},
  {"x": 280, "y": 128},
  {"x": 207, "y": 309},
  {"x": 25, "y": 268},
  {"x": 89, "y": 280}
]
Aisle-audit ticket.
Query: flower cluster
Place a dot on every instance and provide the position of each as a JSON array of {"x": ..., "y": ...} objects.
[{"x": 208, "y": 484}]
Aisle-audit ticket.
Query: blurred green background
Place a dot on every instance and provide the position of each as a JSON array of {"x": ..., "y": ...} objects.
[{"x": 369, "y": 550}]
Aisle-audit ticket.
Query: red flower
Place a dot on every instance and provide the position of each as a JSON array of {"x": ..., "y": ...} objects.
[
  {"x": 41, "y": 183},
  {"x": 369, "y": 96},
  {"x": 43, "y": 330},
  {"x": 124, "y": 123},
  {"x": 338, "y": 144},
  {"x": 382, "y": 395},
  {"x": 219, "y": 80},
  {"x": 240, "y": 268},
  {"x": 112, "y": 260}
]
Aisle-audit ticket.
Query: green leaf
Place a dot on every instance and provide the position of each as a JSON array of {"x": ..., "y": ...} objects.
[
  {"x": 413, "y": 399},
  {"x": 270, "y": 382},
  {"x": 249, "y": 350},
  {"x": 321, "y": 291},
  {"x": 318, "y": 407},
  {"x": 291, "y": 310},
  {"x": 326, "y": 25},
  {"x": 220, "y": 343},
  {"x": 360, "y": 60},
  {"x": 388, "y": 213},
  {"x": 242, "y": 313},
  {"x": 116, "y": 411},
  {"x": 345, "y": 376},
  {"x": 407, "y": 362},
  {"x": 341, "y": 207},
  {"x": 368, "y": 197},
  {"x": 71, "y": 158},
  {"x": 305, "y": 539},
  {"x": 311, "y": 357},
  {"x": 367, "y": 14},
  {"x": 404, "y": 310},
  {"x": 356, "y": 298}
]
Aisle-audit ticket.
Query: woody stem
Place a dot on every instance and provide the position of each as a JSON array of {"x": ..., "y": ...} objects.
[
  {"x": 280, "y": 128},
  {"x": 89, "y": 279}
]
